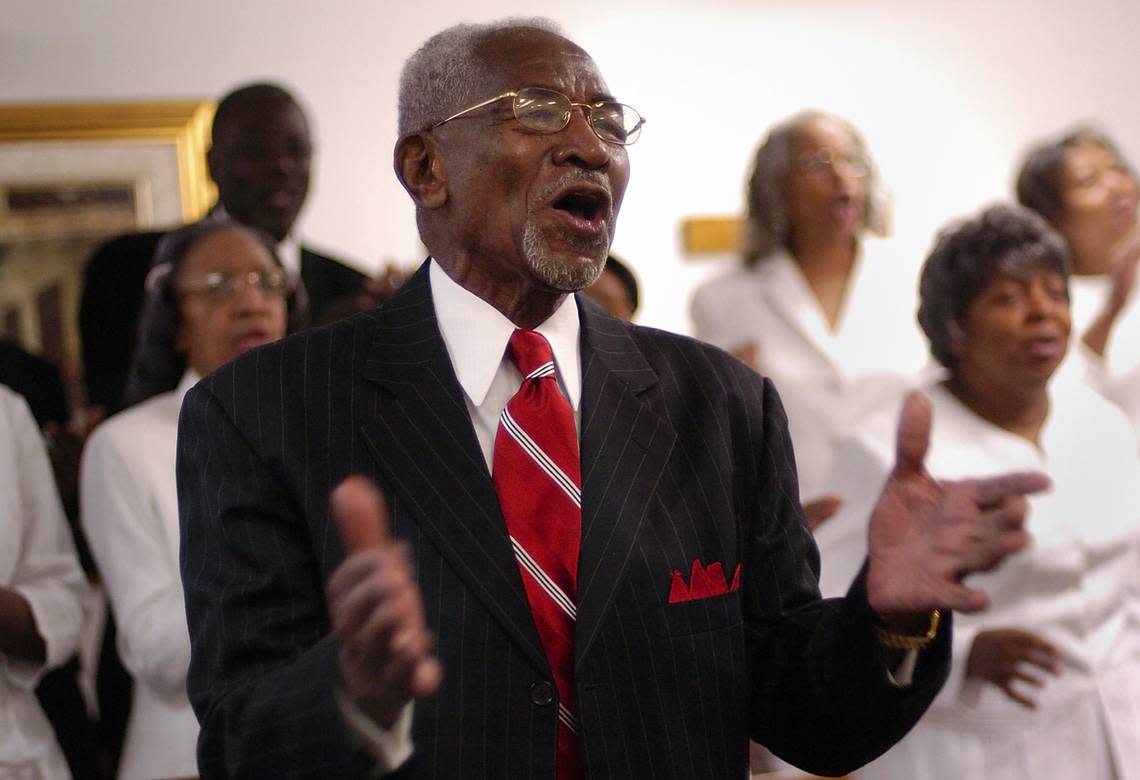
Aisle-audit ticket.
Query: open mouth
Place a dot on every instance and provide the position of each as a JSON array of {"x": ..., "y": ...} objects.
[
  {"x": 586, "y": 208},
  {"x": 1046, "y": 347},
  {"x": 251, "y": 339}
]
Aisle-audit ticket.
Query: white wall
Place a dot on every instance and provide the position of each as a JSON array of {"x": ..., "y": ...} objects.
[{"x": 947, "y": 93}]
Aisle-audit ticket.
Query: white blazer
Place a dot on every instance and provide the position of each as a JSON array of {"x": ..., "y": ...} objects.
[
  {"x": 37, "y": 560},
  {"x": 827, "y": 379},
  {"x": 129, "y": 511},
  {"x": 1077, "y": 585}
]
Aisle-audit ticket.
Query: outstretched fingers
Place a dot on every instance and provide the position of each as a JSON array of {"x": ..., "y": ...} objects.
[{"x": 994, "y": 490}]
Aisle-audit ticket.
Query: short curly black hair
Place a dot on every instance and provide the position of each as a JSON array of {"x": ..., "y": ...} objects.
[{"x": 968, "y": 253}]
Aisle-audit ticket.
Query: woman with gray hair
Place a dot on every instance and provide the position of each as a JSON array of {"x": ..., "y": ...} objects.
[
  {"x": 1045, "y": 682},
  {"x": 1086, "y": 189},
  {"x": 216, "y": 291},
  {"x": 817, "y": 304}
]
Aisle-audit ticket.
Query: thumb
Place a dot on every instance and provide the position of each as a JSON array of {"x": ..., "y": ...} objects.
[
  {"x": 913, "y": 433},
  {"x": 820, "y": 510},
  {"x": 361, "y": 514}
]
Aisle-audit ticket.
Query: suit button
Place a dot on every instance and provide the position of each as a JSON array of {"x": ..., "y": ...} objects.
[{"x": 542, "y": 693}]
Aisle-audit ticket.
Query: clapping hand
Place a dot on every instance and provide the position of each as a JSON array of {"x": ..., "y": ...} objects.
[
  {"x": 386, "y": 653},
  {"x": 1002, "y": 655},
  {"x": 1122, "y": 276},
  {"x": 926, "y": 535}
]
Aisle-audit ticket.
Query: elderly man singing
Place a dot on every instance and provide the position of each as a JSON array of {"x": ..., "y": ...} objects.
[{"x": 586, "y": 556}]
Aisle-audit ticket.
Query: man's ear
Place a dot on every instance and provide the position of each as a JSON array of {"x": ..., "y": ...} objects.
[
  {"x": 212, "y": 163},
  {"x": 420, "y": 168}
]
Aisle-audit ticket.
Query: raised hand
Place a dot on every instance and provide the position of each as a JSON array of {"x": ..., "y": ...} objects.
[
  {"x": 1001, "y": 656},
  {"x": 821, "y": 509},
  {"x": 925, "y": 536},
  {"x": 1126, "y": 254},
  {"x": 386, "y": 650}
]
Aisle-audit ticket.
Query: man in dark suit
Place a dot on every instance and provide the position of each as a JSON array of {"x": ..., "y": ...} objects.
[
  {"x": 696, "y": 616},
  {"x": 260, "y": 158}
]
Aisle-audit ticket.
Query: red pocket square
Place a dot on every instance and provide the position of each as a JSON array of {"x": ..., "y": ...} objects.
[{"x": 703, "y": 583}]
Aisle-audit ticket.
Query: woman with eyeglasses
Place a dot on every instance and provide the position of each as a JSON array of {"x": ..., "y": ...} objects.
[
  {"x": 1083, "y": 186},
  {"x": 216, "y": 291},
  {"x": 818, "y": 304},
  {"x": 1045, "y": 683}
]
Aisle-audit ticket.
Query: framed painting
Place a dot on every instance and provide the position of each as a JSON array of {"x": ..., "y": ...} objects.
[{"x": 72, "y": 175}]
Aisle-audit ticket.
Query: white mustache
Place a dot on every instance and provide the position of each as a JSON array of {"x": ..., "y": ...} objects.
[{"x": 575, "y": 175}]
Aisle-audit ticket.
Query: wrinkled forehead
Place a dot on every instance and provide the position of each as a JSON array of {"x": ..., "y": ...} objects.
[{"x": 523, "y": 57}]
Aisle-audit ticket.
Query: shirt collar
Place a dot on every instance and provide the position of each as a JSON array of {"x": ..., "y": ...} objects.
[
  {"x": 189, "y": 379},
  {"x": 476, "y": 335}
]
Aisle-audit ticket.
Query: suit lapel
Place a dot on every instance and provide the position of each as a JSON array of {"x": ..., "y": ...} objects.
[
  {"x": 422, "y": 436},
  {"x": 625, "y": 446}
]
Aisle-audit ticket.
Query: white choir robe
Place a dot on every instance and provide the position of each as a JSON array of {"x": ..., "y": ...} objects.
[
  {"x": 129, "y": 511},
  {"x": 1077, "y": 585},
  {"x": 827, "y": 379},
  {"x": 38, "y": 561},
  {"x": 1116, "y": 374}
]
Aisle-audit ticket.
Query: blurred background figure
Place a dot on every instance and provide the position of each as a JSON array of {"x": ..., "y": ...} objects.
[
  {"x": 818, "y": 304},
  {"x": 375, "y": 291},
  {"x": 216, "y": 292},
  {"x": 261, "y": 159},
  {"x": 616, "y": 289},
  {"x": 59, "y": 691},
  {"x": 42, "y": 590},
  {"x": 1045, "y": 683},
  {"x": 1083, "y": 186}
]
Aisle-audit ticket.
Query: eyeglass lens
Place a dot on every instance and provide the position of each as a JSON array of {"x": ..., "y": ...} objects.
[
  {"x": 548, "y": 112},
  {"x": 223, "y": 286},
  {"x": 824, "y": 161}
]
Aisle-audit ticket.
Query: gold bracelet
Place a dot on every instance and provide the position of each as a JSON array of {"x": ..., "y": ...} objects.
[{"x": 909, "y": 641}]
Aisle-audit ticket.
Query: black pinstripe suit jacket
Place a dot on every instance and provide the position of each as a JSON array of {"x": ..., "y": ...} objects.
[{"x": 685, "y": 456}]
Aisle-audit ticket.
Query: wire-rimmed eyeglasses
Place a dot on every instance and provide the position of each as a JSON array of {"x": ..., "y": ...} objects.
[
  {"x": 219, "y": 286},
  {"x": 823, "y": 161},
  {"x": 546, "y": 111}
]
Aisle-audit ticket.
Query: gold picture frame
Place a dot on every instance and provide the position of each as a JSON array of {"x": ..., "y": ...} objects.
[{"x": 73, "y": 174}]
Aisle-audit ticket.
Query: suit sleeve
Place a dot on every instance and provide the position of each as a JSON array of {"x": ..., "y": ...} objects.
[
  {"x": 821, "y": 697},
  {"x": 262, "y": 676}
]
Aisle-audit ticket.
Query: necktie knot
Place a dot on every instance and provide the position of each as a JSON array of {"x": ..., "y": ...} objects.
[{"x": 530, "y": 352}]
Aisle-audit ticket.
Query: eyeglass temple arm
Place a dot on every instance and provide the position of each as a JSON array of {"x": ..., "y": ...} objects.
[{"x": 469, "y": 109}]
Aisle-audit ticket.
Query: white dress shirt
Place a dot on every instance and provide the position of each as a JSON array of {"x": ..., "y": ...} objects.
[
  {"x": 827, "y": 378},
  {"x": 129, "y": 511},
  {"x": 1077, "y": 585},
  {"x": 476, "y": 335},
  {"x": 37, "y": 560}
]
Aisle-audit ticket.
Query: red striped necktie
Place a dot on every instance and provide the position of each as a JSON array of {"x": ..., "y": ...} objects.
[{"x": 537, "y": 474}]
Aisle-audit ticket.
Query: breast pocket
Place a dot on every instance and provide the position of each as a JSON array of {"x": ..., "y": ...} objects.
[{"x": 703, "y": 615}]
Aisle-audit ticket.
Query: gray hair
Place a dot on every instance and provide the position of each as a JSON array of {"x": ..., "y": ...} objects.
[
  {"x": 768, "y": 227},
  {"x": 441, "y": 77}
]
